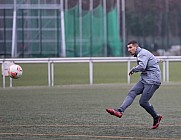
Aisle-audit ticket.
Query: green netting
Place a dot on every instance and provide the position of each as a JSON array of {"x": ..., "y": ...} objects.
[
  {"x": 95, "y": 40},
  {"x": 113, "y": 34},
  {"x": 39, "y": 32}
]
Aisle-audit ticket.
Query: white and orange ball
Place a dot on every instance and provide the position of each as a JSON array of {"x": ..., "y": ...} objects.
[{"x": 15, "y": 71}]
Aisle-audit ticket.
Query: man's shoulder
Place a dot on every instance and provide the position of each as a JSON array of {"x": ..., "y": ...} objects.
[{"x": 145, "y": 52}]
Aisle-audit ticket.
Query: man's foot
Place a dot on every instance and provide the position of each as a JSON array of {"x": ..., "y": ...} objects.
[
  {"x": 114, "y": 112},
  {"x": 156, "y": 122}
]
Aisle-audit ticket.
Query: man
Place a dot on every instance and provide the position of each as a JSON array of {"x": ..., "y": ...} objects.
[{"x": 149, "y": 82}]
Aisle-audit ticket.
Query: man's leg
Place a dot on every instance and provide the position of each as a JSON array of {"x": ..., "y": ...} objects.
[
  {"x": 144, "y": 102},
  {"x": 134, "y": 91},
  {"x": 146, "y": 96}
]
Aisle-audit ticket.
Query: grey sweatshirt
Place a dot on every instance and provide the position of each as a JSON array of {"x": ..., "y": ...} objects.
[{"x": 148, "y": 65}]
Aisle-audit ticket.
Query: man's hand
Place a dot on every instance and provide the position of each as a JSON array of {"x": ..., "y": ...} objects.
[{"x": 130, "y": 73}]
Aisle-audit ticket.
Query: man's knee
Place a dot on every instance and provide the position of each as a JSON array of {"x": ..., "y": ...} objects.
[
  {"x": 132, "y": 94},
  {"x": 142, "y": 103}
]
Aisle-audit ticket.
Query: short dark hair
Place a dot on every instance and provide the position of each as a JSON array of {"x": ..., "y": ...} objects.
[{"x": 133, "y": 42}]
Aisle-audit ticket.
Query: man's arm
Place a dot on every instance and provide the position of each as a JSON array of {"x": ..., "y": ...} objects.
[{"x": 142, "y": 63}]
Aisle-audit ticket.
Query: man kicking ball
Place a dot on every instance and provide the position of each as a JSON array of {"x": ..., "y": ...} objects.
[{"x": 149, "y": 82}]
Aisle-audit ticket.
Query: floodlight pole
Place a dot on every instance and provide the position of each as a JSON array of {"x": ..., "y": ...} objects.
[
  {"x": 14, "y": 45},
  {"x": 80, "y": 26},
  {"x": 123, "y": 27},
  {"x": 105, "y": 28},
  {"x": 63, "y": 48}
]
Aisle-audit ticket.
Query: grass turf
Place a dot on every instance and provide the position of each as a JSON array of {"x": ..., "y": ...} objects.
[{"x": 78, "y": 112}]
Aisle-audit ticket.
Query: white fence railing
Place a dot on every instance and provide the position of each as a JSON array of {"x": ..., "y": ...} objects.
[{"x": 91, "y": 60}]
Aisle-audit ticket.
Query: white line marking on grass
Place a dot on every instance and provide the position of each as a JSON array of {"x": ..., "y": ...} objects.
[
  {"x": 88, "y": 136},
  {"x": 89, "y": 125}
]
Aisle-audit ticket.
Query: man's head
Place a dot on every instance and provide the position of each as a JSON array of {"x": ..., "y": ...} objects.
[{"x": 132, "y": 47}]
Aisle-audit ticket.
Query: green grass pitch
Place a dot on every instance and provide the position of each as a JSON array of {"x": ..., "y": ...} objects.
[
  {"x": 77, "y": 112},
  {"x": 73, "y": 109}
]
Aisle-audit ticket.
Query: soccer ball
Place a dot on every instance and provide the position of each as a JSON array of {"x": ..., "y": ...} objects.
[{"x": 15, "y": 71}]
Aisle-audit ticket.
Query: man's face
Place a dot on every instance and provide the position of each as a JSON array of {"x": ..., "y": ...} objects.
[{"x": 132, "y": 49}]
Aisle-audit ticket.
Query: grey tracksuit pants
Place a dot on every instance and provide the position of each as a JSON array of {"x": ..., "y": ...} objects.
[{"x": 146, "y": 91}]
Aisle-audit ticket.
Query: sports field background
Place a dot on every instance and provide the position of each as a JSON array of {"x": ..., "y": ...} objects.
[
  {"x": 73, "y": 109},
  {"x": 77, "y": 112},
  {"x": 78, "y": 73}
]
